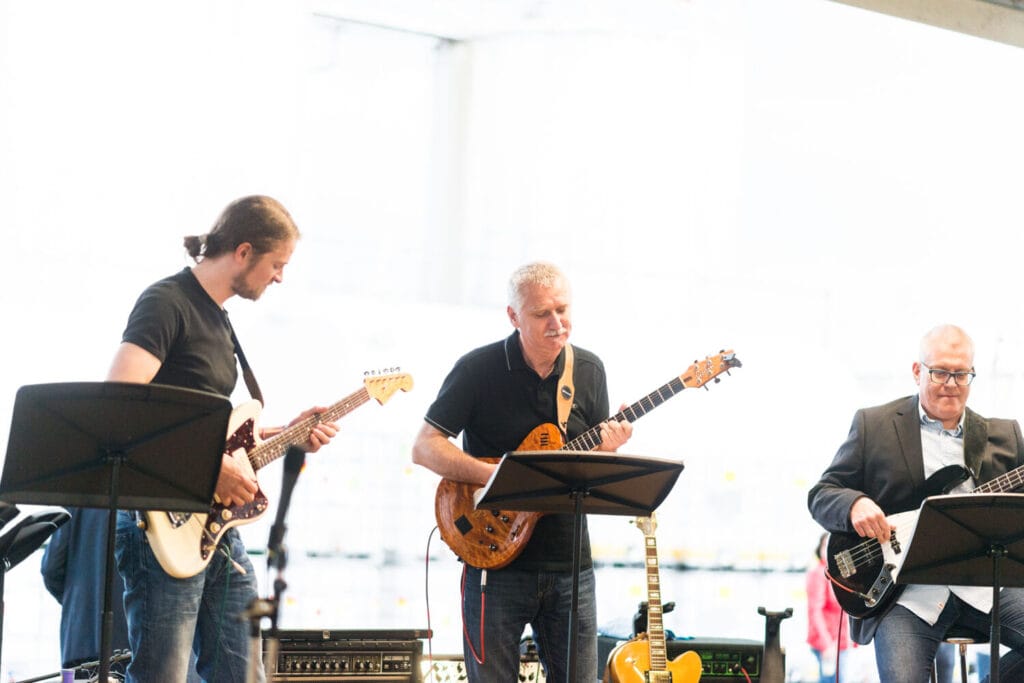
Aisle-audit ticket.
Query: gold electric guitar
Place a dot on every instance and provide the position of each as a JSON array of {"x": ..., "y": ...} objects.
[
  {"x": 184, "y": 542},
  {"x": 644, "y": 659}
]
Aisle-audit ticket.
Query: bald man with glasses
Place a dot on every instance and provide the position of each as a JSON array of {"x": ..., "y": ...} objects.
[{"x": 886, "y": 466}]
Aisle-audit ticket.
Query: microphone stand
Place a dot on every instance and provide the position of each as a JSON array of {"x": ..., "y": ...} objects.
[{"x": 277, "y": 559}]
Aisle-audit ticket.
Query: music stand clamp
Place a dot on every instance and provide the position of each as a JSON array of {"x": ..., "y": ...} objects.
[
  {"x": 114, "y": 445},
  {"x": 579, "y": 482},
  {"x": 978, "y": 533}
]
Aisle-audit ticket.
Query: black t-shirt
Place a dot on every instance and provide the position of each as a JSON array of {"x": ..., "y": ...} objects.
[
  {"x": 494, "y": 399},
  {"x": 177, "y": 321}
]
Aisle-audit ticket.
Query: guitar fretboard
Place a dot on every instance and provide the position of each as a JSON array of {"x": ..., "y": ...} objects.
[
  {"x": 298, "y": 433},
  {"x": 655, "y": 626},
  {"x": 591, "y": 439},
  {"x": 1010, "y": 481}
]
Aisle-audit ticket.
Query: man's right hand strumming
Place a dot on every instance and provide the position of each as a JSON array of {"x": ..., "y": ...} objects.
[
  {"x": 869, "y": 521},
  {"x": 236, "y": 483}
]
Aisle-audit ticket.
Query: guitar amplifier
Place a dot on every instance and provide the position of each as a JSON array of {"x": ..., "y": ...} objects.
[
  {"x": 325, "y": 656},
  {"x": 723, "y": 659},
  {"x": 734, "y": 660}
]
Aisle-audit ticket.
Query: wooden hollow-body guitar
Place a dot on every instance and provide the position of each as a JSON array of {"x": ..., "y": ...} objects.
[
  {"x": 491, "y": 539},
  {"x": 644, "y": 659},
  {"x": 184, "y": 542}
]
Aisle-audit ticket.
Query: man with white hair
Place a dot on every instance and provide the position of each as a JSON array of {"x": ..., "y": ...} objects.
[{"x": 495, "y": 396}]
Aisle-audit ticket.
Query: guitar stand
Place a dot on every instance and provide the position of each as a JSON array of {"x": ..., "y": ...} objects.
[
  {"x": 640, "y": 618},
  {"x": 773, "y": 664}
]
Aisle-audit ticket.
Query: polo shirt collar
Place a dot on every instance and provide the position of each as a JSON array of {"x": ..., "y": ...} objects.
[{"x": 514, "y": 359}]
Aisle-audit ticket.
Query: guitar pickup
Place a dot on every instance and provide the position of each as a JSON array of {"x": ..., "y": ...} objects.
[{"x": 845, "y": 564}]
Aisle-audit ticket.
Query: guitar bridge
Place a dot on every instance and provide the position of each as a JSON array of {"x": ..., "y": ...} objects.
[{"x": 844, "y": 562}]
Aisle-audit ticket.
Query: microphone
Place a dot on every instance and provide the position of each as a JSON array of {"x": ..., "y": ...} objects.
[{"x": 293, "y": 462}]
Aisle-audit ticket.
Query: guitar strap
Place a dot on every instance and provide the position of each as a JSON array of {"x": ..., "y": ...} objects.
[
  {"x": 247, "y": 374},
  {"x": 566, "y": 389}
]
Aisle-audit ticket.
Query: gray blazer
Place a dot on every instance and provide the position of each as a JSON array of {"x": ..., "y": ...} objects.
[{"x": 882, "y": 459}]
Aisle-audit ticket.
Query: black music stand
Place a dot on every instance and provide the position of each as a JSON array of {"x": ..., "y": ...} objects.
[
  {"x": 968, "y": 538},
  {"x": 578, "y": 482},
  {"x": 114, "y": 445}
]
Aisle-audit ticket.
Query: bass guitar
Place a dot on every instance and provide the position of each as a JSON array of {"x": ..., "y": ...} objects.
[
  {"x": 863, "y": 571},
  {"x": 184, "y": 542},
  {"x": 491, "y": 539},
  {"x": 644, "y": 659}
]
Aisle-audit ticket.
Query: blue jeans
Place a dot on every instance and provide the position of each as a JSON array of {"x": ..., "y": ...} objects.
[
  {"x": 169, "y": 618},
  {"x": 905, "y": 645},
  {"x": 515, "y": 598}
]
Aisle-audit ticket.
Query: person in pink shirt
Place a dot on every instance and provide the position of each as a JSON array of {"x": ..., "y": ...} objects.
[{"x": 828, "y": 632}]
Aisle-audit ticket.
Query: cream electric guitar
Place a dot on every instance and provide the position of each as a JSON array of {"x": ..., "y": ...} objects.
[{"x": 184, "y": 542}]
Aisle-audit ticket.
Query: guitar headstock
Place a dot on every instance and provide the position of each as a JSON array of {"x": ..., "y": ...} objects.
[
  {"x": 704, "y": 371},
  {"x": 383, "y": 387},
  {"x": 647, "y": 524}
]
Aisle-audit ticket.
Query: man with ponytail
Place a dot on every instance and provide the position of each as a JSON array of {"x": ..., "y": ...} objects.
[{"x": 179, "y": 334}]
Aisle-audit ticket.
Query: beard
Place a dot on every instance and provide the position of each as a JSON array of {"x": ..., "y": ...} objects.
[{"x": 241, "y": 286}]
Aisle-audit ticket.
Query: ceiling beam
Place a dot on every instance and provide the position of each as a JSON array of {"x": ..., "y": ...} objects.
[{"x": 998, "y": 20}]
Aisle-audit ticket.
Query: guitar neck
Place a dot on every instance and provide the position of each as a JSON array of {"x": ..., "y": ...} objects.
[
  {"x": 655, "y": 625},
  {"x": 298, "y": 433},
  {"x": 1009, "y": 481},
  {"x": 591, "y": 439}
]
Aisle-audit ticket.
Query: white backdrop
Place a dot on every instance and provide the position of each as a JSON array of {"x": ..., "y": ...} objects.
[{"x": 807, "y": 183}]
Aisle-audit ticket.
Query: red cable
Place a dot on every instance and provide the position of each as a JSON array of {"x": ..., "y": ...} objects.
[{"x": 482, "y": 657}]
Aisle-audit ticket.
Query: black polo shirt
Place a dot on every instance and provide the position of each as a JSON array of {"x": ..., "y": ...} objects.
[{"x": 494, "y": 399}]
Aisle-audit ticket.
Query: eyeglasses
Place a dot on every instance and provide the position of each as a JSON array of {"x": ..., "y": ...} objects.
[{"x": 961, "y": 378}]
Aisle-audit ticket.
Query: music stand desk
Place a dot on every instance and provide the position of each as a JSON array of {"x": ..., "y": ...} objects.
[
  {"x": 578, "y": 482},
  {"x": 115, "y": 445},
  {"x": 980, "y": 543}
]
